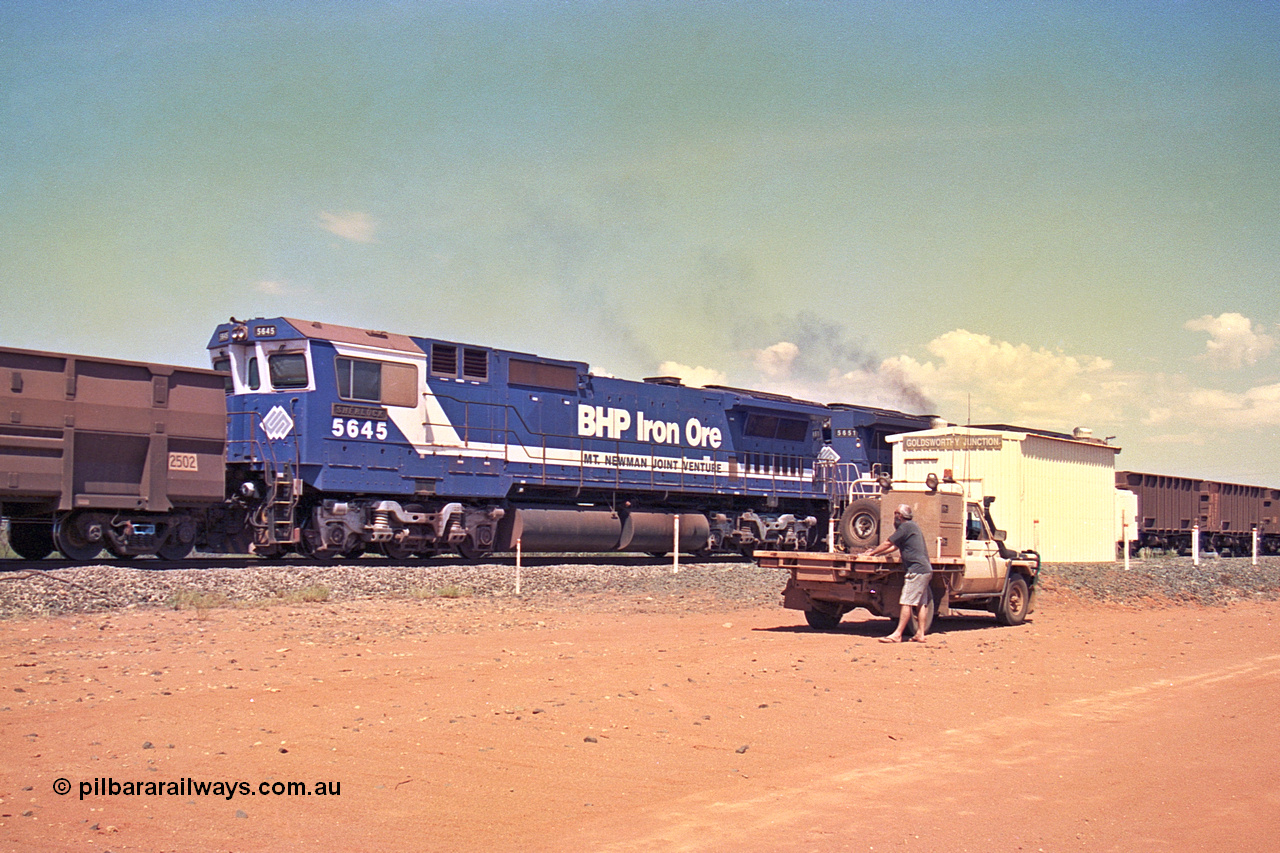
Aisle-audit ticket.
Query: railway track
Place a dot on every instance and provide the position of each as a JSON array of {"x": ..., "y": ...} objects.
[{"x": 297, "y": 561}]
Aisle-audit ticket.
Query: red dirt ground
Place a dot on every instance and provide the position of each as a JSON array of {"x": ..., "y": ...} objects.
[{"x": 610, "y": 724}]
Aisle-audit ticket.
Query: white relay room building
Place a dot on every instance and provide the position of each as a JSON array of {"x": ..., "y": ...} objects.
[{"x": 1055, "y": 493}]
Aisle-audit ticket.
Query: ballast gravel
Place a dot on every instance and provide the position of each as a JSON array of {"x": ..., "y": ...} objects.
[{"x": 28, "y": 590}]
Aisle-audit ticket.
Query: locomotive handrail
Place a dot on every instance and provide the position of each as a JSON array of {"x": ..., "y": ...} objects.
[{"x": 511, "y": 438}]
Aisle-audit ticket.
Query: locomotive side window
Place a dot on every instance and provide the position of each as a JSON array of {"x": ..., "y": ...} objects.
[
  {"x": 377, "y": 381},
  {"x": 359, "y": 380},
  {"x": 222, "y": 364},
  {"x": 288, "y": 370},
  {"x": 553, "y": 377},
  {"x": 399, "y": 384},
  {"x": 790, "y": 429},
  {"x": 772, "y": 426},
  {"x": 760, "y": 426},
  {"x": 255, "y": 379}
]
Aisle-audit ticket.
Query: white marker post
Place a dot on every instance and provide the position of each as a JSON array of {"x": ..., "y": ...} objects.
[
  {"x": 517, "y": 567},
  {"x": 1124, "y": 537},
  {"x": 1195, "y": 544},
  {"x": 831, "y": 535},
  {"x": 1254, "y": 535},
  {"x": 675, "y": 546}
]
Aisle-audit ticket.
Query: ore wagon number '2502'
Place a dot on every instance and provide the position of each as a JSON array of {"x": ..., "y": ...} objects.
[{"x": 332, "y": 440}]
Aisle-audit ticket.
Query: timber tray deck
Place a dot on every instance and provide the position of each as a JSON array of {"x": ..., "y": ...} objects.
[{"x": 822, "y": 565}]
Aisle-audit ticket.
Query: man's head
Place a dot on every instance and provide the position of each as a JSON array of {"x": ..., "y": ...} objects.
[{"x": 901, "y": 514}]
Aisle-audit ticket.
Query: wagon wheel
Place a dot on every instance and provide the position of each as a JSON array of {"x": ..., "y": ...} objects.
[
  {"x": 73, "y": 542},
  {"x": 175, "y": 549},
  {"x": 860, "y": 524},
  {"x": 31, "y": 540}
]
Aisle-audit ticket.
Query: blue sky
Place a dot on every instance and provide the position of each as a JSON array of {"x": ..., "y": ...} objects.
[{"x": 1050, "y": 214}]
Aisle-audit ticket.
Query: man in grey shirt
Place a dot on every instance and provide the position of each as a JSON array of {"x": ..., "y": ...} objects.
[{"x": 909, "y": 541}]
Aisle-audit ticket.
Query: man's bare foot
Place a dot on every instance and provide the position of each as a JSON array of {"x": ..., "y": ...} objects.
[
  {"x": 917, "y": 639},
  {"x": 891, "y": 639}
]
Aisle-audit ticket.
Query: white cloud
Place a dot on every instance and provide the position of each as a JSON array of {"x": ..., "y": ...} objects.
[
  {"x": 695, "y": 377},
  {"x": 272, "y": 288},
  {"x": 1232, "y": 341},
  {"x": 1161, "y": 418},
  {"x": 776, "y": 360},
  {"x": 349, "y": 225},
  {"x": 974, "y": 376},
  {"x": 1253, "y": 408}
]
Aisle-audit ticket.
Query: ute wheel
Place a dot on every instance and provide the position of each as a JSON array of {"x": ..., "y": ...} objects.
[
  {"x": 913, "y": 625},
  {"x": 31, "y": 540},
  {"x": 822, "y": 620},
  {"x": 1015, "y": 602},
  {"x": 72, "y": 541},
  {"x": 860, "y": 524}
]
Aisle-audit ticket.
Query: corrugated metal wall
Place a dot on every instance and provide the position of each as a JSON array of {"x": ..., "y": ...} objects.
[{"x": 1052, "y": 495}]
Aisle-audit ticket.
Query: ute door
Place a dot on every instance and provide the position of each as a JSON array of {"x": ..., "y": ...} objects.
[{"x": 981, "y": 555}]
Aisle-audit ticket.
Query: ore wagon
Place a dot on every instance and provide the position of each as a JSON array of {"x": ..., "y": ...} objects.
[{"x": 102, "y": 453}]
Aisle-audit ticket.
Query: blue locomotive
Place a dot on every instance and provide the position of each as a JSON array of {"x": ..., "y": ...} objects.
[{"x": 342, "y": 440}]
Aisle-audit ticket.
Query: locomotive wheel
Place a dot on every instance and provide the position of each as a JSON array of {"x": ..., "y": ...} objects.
[
  {"x": 468, "y": 550},
  {"x": 31, "y": 540},
  {"x": 313, "y": 544},
  {"x": 395, "y": 551},
  {"x": 860, "y": 524},
  {"x": 72, "y": 542}
]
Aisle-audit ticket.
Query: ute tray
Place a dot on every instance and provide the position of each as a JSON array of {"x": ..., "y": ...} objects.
[{"x": 826, "y": 567}]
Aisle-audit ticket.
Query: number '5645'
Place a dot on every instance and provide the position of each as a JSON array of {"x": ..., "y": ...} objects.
[{"x": 352, "y": 428}]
